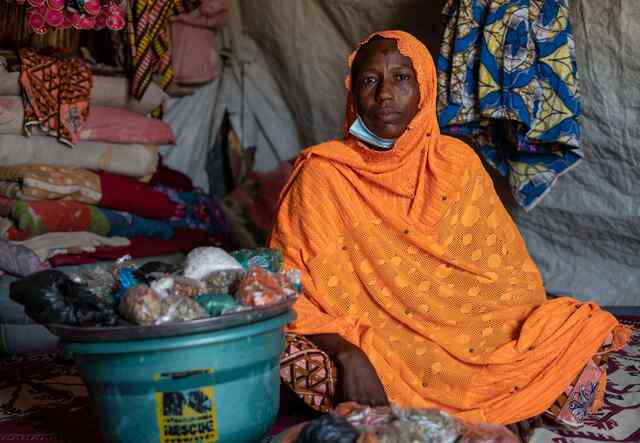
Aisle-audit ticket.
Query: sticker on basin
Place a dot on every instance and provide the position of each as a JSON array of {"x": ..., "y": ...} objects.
[{"x": 186, "y": 414}]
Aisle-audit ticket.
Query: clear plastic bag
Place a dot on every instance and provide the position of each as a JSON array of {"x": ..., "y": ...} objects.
[
  {"x": 176, "y": 308},
  {"x": 262, "y": 288},
  {"x": 201, "y": 262},
  {"x": 98, "y": 281},
  {"x": 141, "y": 305},
  {"x": 394, "y": 425}
]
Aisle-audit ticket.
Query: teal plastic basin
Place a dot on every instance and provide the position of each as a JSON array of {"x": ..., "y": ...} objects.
[{"x": 220, "y": 386}]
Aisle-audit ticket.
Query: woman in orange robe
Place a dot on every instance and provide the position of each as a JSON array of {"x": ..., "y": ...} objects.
[{"x": 416, "y": 281}]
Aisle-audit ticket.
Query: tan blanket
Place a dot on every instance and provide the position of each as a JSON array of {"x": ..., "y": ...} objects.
[{"x": 137, "y": 161}]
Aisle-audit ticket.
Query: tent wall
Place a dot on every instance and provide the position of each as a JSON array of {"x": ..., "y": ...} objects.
[
  {"x": 307, "y": 42},
  {"x": 585, "y": 235}
]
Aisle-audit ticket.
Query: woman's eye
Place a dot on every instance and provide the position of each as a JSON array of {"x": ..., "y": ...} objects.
[
  {"x": 403, "y": 77},
  {"x": 368, "y": 80}
]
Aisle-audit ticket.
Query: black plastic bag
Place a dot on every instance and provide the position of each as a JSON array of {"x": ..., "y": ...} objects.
[
  {"x": 154, "y": 270},
  {"x": 52, "y": 297},
  {"x": 328, "y": 428}
]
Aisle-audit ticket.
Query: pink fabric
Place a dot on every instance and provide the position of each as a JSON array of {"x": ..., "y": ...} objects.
[
  {"x": 194, "y": 40},
  {"x": 117, "y": 125},
  {"x": 580, "y": 397}
]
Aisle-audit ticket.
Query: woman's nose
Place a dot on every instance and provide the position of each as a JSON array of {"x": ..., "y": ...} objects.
[{"x": 385, "y": 90}]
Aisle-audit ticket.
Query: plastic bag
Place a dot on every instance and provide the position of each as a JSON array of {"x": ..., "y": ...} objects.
[
  {"x": 395, "y": 425},
  {"x": 154, "y": 270},
  {"x": 217, "y": 304},
  {"x": 98, "y": 281},
  {"x": 177, "y": 285},
  {"x": 201, "y": 262},
  {"x": 157, "y": 304},
  {"x": 125, "y": 280},
  {"x": 262, "y": 288},
  {"x": 328, "y": 428},
  {"x": 224, "y": 281},
  {"x": 52, "y": 297},
  {"x": 179, "y": 308},
  {"x": 141, "y": 305},
  {"x": 268, "y": 259}
]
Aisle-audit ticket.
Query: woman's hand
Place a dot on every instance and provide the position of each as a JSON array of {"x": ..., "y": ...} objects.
[{"x": 357, "y": 378}]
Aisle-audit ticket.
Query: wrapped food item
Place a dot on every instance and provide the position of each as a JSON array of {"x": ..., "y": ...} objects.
[
  {"x": 328, "y": 428},
  {"x": 52, "y": 297},
  {"x": 356, "y": 423},
  {"x": 426, "y": 422},
  {"x": 217, "y": 304},
  {"x": 177, "y": 285},
  {"x": 223, "y": 281},
  {"x": 177, "y": 308},
  {"x": 122, "y": 262},
  {"x": 99, "y": 282},
  {"x": 141, "y": 305},
  {"x": 262, "y": 288},
  {"x": 201, "y": 262},
  {"x": 125, "y": 280},
  {"x": 154, "y": 270},
  {"x": 268, "y": 259}
]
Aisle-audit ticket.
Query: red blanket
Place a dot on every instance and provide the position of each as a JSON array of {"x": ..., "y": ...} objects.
[{"x": 184, "y": 241}]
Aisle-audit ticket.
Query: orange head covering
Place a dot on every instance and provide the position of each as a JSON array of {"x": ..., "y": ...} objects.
[
  {"x": 409, "y": 254},
  {"x": 425, "y": 120}
]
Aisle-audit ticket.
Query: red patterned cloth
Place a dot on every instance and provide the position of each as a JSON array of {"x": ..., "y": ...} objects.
[{"x": 55, "y": 93}]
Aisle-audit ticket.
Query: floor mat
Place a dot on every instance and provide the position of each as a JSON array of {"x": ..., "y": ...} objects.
[
  {"x": 619, "y": 419},
  {"x": 43, "y": 399}
]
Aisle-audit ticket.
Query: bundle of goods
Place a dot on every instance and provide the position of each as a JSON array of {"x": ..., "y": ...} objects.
[
  {"x": 353, "y": 423},
  {"x": 87, "y": 182},
  {"x": 210, "y": 283}
]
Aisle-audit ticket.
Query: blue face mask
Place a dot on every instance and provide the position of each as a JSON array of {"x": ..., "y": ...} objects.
[{"x": 359, "y": 129}]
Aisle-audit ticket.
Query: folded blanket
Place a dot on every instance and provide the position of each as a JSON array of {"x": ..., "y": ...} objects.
[
  {"x": 32, "y": 182},
  {"x": 56, "y": 243},
  {"x": 184, "y": 241},
  {"x": 168, "y": 177},
  {"x": 46, "y": 182},
  {"x": 201, "y": 211},
  {"x": 137, "y": 161},
  {"x": 56, "y": 94},
  {"x": 106, "y": 124},
  {"x": 31, "y": 219},
  {"x": 18, "y": 260},
  {"x": 106, "y": 91}
]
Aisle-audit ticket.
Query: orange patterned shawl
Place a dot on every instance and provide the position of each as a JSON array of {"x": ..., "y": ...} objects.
[{"x": 410, "y": 255}]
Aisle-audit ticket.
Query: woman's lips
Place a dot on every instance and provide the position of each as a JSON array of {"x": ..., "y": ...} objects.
[{"x": 387, "y": 115}]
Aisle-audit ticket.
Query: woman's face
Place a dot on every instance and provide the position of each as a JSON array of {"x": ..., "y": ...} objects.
[{"x": 385, "y": 88}]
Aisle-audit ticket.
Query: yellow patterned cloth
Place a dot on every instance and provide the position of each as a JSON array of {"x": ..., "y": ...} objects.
[
  {"x": 149, "y": 40},
  {"x": 49, "y": 182}
]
